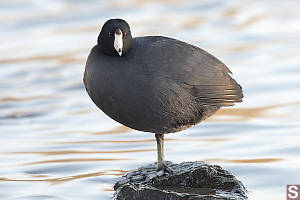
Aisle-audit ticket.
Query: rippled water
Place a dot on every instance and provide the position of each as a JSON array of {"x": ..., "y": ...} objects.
[{"x": 55, "y": 144}]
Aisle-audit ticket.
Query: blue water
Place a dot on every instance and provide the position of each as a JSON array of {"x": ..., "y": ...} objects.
[{"x": 56, "y": 144}]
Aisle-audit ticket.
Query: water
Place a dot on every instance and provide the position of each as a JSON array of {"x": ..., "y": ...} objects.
[{"x": 55, "y": 144}]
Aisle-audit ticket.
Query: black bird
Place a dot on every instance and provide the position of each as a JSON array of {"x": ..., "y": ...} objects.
[{"x": 156, "y": 84}]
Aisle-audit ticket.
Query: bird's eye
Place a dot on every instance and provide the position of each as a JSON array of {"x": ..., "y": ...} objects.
[
  {"x": 109, "y": 34},
  {"x": 125, "y": 34}
]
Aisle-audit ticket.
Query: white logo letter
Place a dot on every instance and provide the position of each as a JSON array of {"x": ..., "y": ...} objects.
[{"x": 293, "y": 192}]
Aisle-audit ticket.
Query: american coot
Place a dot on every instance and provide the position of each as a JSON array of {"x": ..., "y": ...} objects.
[{"x": 156, "y": 84}]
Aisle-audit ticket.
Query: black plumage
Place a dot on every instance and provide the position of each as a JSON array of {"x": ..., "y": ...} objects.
[{"x": 159, "y": 84}]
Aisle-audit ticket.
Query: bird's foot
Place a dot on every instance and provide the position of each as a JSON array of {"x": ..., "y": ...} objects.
[{"x": 164, "y": 170}]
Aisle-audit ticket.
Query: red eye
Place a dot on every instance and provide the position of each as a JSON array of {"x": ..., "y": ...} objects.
[{"x": 109, "y": 34}]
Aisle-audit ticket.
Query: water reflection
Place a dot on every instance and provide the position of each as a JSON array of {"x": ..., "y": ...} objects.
[
  {"x": 59, "y": 180},
  {"x": 51, "y": 153},
  {"x": 244, "y": 114},
  {"x": 63, "y": 58},
  {"x": 72, "y": 160},
  {"x": 52, "y": 133}
]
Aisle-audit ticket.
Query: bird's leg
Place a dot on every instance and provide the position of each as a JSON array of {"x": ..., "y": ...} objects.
[
  {"x": 160, "y": 149},
  {"x": 161, "y": 166}
]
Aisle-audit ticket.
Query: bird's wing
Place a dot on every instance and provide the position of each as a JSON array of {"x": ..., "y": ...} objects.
[{"x": 208, "y": 79}]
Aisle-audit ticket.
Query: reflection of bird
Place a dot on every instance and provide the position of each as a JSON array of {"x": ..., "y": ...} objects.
[{"x": 156, "y": 84}]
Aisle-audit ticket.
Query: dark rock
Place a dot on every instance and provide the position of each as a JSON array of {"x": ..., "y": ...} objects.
[{"x": 190, "y": 181}]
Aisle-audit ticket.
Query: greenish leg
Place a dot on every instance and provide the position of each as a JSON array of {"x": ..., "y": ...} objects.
[{"x": 161, "y": 166}]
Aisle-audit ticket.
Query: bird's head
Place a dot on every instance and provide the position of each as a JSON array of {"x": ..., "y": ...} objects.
[{"x": 115, "y": 37}]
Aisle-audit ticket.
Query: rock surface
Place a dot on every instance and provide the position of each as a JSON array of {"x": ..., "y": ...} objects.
[{"x": 190, "y": 181}]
